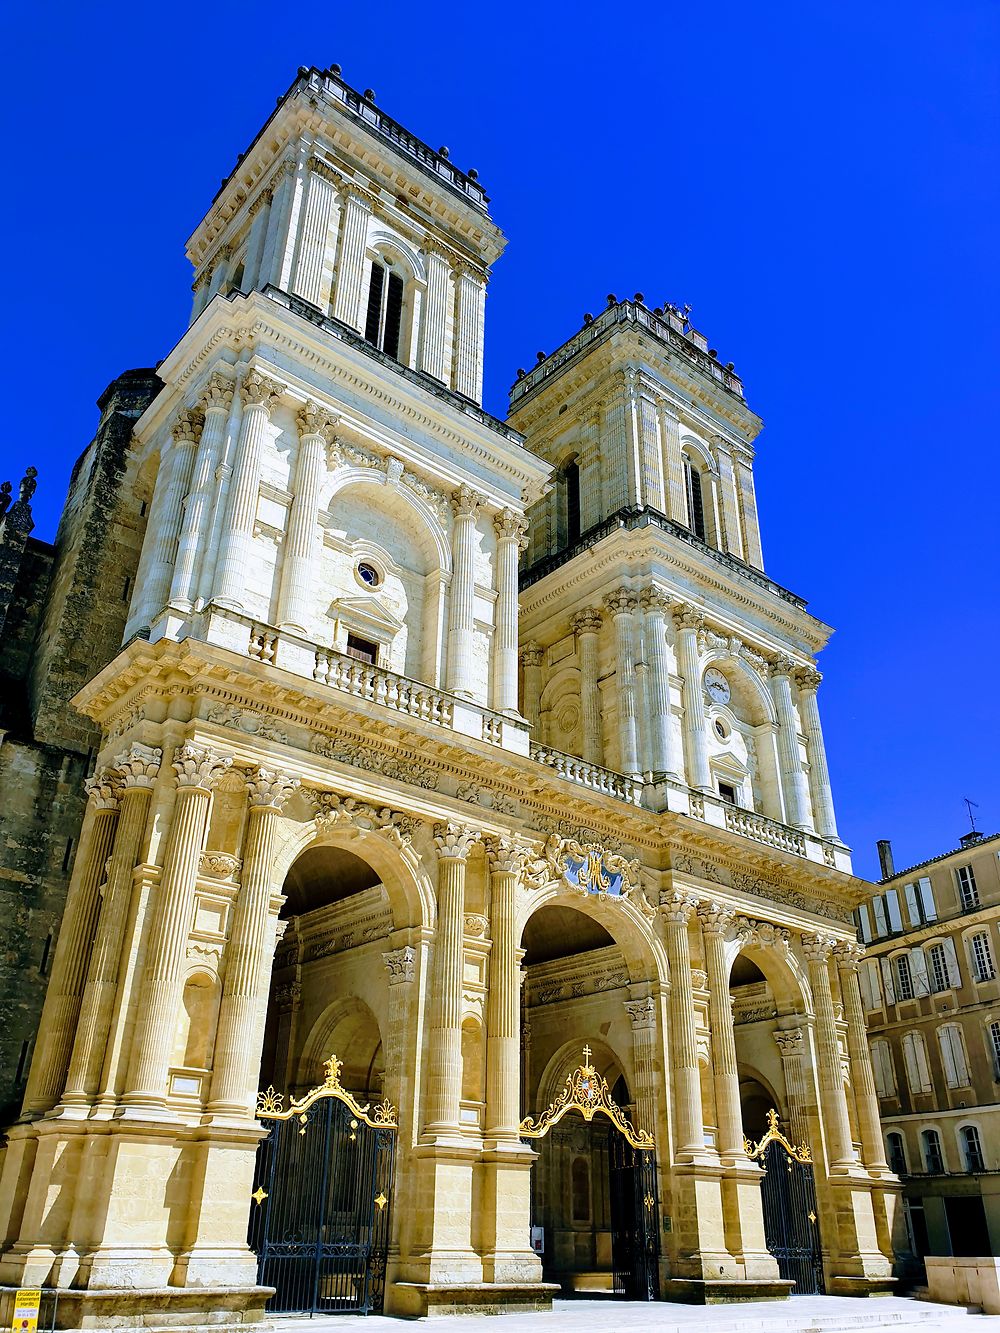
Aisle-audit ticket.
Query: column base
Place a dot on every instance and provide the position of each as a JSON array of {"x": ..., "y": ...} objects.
[
  {"x": 427, "y": 1299},
  {"x": 161, "y": 1309},
  {"x": 863, "y": 1286},
  {"x": 722, "y": 1291}
]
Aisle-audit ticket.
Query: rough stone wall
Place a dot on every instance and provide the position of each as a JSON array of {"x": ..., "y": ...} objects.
[{"x": 65, "y": 613}]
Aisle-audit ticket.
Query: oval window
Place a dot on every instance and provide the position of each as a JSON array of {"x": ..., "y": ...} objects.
[{"x": 368, "y": 574}]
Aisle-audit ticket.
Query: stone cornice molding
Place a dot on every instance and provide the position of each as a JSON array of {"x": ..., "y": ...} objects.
[
  {"x": 587, "y": 621},
  {"x": 269, "y": 789},
  {"x": 198, "y": 767},
  {"x": 454, "y": 841},
  {"x": 138, "y": 765}
]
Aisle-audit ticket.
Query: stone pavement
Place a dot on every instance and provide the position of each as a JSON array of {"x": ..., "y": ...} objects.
[{"x": 799, "y": 1314}]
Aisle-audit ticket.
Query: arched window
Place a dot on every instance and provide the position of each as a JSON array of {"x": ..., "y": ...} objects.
[
  {"x": 383, "y": 323},
  {"x": 937, "y": 968},
  {"x": 695, "y": 499},
  {"x": 581, "y": 1189},
  {"x": 571, "y": 476},
  {"x": 933, "y": 1157},
  {"x": 972, "y": 1148},
  {"x": 897, "y": 1153},
  {"x": 981, "y": 956}
]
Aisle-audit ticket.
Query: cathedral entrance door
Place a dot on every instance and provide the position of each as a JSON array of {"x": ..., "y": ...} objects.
[
  {"x": 788, "y": 1196},
  {"x": 320, "y": 1216}
]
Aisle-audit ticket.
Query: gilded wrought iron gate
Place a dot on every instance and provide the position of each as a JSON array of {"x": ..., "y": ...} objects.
[
  {"x": 788, "y": 1196},
  {"x": 321, "y": 1211},
  {"x": 635, "y": 1227}
]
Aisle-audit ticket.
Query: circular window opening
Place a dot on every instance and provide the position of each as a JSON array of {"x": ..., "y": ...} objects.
[
  {"x": 369, "y": 574},
  {"x": 721, "y": 730}
]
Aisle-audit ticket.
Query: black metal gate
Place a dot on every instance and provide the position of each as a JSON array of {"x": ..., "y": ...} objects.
[
  {"x": 320, "y": 1217},
  {"x": 635, "y": 1227},
  {"x": 788, "y": 1195}
]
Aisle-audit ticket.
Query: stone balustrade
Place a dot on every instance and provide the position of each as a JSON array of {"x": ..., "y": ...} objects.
[{"x": 592, "y": 776}]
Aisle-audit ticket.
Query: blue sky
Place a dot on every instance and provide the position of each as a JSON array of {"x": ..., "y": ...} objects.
[{"x": 819, "y": 182}]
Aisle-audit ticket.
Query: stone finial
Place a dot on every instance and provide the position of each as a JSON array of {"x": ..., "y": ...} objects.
[
  {"x": 28, "y": 485},
  {"x": 5, "y": 490}
]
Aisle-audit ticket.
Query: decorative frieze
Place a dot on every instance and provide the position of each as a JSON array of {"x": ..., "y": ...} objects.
[
  {"x": 400, "y": 769},
  {"x": 333, "y": 810},
  {"x": 251, "y": 723}
]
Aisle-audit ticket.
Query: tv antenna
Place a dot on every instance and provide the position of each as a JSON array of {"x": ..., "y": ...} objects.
[{"x": 970, "y": 806}]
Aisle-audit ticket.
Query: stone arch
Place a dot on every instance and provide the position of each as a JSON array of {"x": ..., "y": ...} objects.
[
  {"x": 645, "y": 956},
  {"x": 782, "y": 970},
  {"x": 565, "y": 1061},
  {"x": 752, "y": 692},
  {"x": 560, "y": 704},
  {"x": 349, "y": 1030},
  {"x": 383, "y": 241},
  {"x": 700, "y": 451},
  {"x": 432, "y": 537}
]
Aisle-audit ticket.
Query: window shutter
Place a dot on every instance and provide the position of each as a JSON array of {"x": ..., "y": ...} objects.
[
  {"x": 948, "y": 1056},
  {"x": 892, "y": 904},
  {"x": 918, "y": 970},
  {"x": 865, "y": 922},
  {"x": 870, "y": 989},
  {"x": 878, "y": 907},
  {"x": 910, "y": 1061},
  {"x": 927, "y": 899},
  {"x": 923, "y": 1067},
  {"x": 374, "y": 317},
  {"x": 960, "y": 1058},
  {"x": 890, "y": 989},
  {"x": 954, "y": 972},
  {"x": 912, "y": 904}
]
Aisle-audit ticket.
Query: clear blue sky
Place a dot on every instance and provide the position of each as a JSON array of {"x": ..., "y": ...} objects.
[{"x": 820, "y": 182}]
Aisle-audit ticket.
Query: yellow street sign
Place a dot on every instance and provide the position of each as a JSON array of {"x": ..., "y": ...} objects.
[{"x": 26, "y": 1304}]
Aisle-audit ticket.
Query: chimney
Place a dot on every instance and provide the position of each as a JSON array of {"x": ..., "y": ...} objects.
[{"x": 885, "y": 858}]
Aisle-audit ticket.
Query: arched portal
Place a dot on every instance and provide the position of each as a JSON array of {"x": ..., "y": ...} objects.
[{"x": 583, "y": 960}]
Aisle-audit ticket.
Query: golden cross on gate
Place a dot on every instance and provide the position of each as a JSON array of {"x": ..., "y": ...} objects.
[{"x": 587, "y": 1054}]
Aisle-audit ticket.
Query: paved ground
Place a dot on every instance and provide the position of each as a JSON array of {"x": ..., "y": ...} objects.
[{"x": 805, "y": 1314}]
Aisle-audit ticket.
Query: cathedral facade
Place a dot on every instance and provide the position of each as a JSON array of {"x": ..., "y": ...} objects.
[{"x": 461, "y": 792}]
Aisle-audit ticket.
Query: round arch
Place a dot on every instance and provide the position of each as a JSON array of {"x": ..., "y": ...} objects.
[
  {"x": 752, "y": 690},
  {"x": 781, "y": 969},
  {"x": 348, "y": 1029},
  {"x": 384, "y": 242},
  {"x": 565, "y": 1061},
  {"x": 432, "y": 536},
  {"x": 645, "y": 956},
  {"x": 701, "y": 451}
]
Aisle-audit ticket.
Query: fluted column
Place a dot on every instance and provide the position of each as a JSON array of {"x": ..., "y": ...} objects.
[
  {"x": 729, "y": 500},
  {"x": 259, "y": 394},
  {"x": 196, "y": 770},
  {"x": 434, "y": 347},
  {"x": 165, "y": 518},
  {"x": 259, "y": 213},
  {"x": 808, "y": 682},
  {"x": 240, "y": 1035},
  {"x": 689, "y": 622},
  {"x": 587, "y": 626},
  {"x": 278, "y": 217},
  {"x": 849, "y": 957},
  {"x": 790, "y": 1043},
  {"x": 676, "y": 910},
  {"x": 354, "y": 216},
  {"x": 510, "y": 529},
  {"x": 216, "y": 401},
  {"x": 469, "y": 335},
  {"x": 453, "y": 845},
  {"x": 715, "y": 921},
  {"x": 299, "y": 569},
  {"x": 136, "y": 771},
  {"x": 621, "y": 605},
  {"x": 76, "y": 933},
  {"x": 531, "y": 660},
  {"x": 642, "y": 1015},
  {"x": 836, "y": 1121},
  {"x": 748, "y": 513},
  {"x": 793, "y": 779},
  {"x": 462, "y": 601},
  {"x": 655, "y": 605},
  {"x": 313, "y": 231},
  {"x": 503, "y": 1012}
]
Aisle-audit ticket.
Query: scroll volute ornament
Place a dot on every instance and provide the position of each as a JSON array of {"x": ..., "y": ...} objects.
[
  {"x": 258, "y": 390},
  {"x": 138, "y": 765},
  {"x": 217, "y": 395},
  {"x": 103, "y": 789},
  {"x": 270, "y": 789}
]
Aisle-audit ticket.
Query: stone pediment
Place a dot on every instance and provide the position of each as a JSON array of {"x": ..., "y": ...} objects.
[{"x": 365, "y": 611}]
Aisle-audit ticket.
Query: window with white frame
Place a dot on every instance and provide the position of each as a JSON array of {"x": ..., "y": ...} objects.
[
  {"x": 882, "y": 1067},
  {"x": 903, "y": 977},
  {"x": 972, "y": 1148},
  {"x": 937, "y": 968},
  {"x": 981, "y": 956},
  {"x": 993, "y": 1040},
  {"x": 896, "y": 1152},
  {"x": 968, "y": 893},
  {"x": 918, "y": 1072},
  {"x": 953, "y": 1056},
  {"x": 933, "y": 1156}
]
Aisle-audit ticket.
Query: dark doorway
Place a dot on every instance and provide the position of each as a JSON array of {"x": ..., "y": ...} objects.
[
  {"x": 967, "y": 1227},
  {"x": 791, "y": 1225}
]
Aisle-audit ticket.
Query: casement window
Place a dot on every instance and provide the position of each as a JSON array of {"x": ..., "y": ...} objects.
[
  {"x": 937, "y": 968},
  {"x": 871, "y": 991},
  {"x": 903, "y": 977},
  {"x": 972, "y": 1148},
  {"x": 968, "y": 894},
  {"x": 385, "y": 308},
  {"x": 882, "y": 1067},
  {"x": 933, "y": 1156},
  {"x": 896, "y": 1152},
  {"x": 918, "y": 1073},
  {"x": 953, "y": 1056},
  {"x": 993, "y": 1040},
  {"x": 981, "y": 956},
  {"x": 695, "y": 500}
]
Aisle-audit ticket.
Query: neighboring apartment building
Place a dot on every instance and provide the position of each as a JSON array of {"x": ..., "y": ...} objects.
[{"x": 933, "y": 1005}]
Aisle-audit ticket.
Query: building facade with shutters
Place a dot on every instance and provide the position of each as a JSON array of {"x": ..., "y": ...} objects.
[
  {"x": 932, "y": 999},
  {"x": 468, "y": 771}
]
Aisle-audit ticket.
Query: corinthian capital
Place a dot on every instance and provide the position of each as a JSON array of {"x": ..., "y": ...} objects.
[
  {"x": 511, "y": 527},
  {"x": 454, "y": 841},
  {"x": 187, "y": 427},
  {"x": 138, "y": 765},
  {"x": 782, "y": 666},
  {"x": 621, "y": 602},
  {"x": 257, "y": 390},
  {"x": 808, "y": 678},
  {"x": 588, "y": 621},
  {"x": 654, "y": 599},
  {"x": 689, "y": 617},
  {"x": 196, "y": 766},
  {"x": 103, "y": 789},
  {"x": 316, "y": 420},
  {"x": 677, "y": 907},
  {"x": 789, "y": 1041},
  {"x": 507, "y": 856},
  {"x": 849, "y": 954},
  {"x": 269, "y": 789},
  {"x": 715, "y": 918},
  {"x": 531, "y": 654},
  {"x": 466, "y": 502},
  {"x": 642, "y": 1013},
  {"x": 217, "y": 395},
  {"x": 817, "y": 948}
]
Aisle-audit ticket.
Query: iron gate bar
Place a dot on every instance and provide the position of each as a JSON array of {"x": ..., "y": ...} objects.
[{"x": 788, "y": 1199}]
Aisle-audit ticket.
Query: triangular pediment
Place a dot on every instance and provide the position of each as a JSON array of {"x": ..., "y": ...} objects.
[{"x": 365, "y": 610}]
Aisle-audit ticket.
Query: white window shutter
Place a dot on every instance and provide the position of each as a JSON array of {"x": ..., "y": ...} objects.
[
  {"x": 892, "y": 905},
  {"x": 910, "y": 1061},
  {"x": 890, "y": 989},
  {"x": 960, "y": 1058},
  {"x": 922, "y": 1065},
  {"x": 927, "y": 898},
  {"x": 865, "y": 922},
  {"x": 954, "y": 972},
  {"x": 912, "y": 904},
  {"x": 948, "y": 1056},
  {"x": 878, "y": 907},
  {"x": 870, "y": 988},
  {"x": 918, "y": 970}
]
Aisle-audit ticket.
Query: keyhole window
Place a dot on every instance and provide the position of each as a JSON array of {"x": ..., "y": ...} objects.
[{"x": 385, "y": 309}]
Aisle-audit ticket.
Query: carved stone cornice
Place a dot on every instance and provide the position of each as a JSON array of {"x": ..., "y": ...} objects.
[
  {"x": 138, "y": 765},
  {"x": 217, "y": 395},
  {"x": 454, "y": 842},
  {"x": 187, "y": 427},
  {"x": 198, "y": 766},
  {"x": 510, "y": 526},
  {"x": 588, "y": 621},
  {"x": 401, "y": 964},
  {"x": 103, "y": 789},
  {"x": 269, "y": 789},
  {"x": 312, "y": 419},
  {"x": 621, "y": 602}
]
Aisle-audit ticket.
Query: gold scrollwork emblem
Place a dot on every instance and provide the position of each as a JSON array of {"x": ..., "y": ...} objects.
[
  {"x": 774, "y": 1135},
  {"x": 270, "y": 1104},
  {"x": 585, "y": 1091}
]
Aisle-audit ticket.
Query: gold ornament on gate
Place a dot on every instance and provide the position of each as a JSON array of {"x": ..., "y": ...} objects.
[
  {"x": 585, "y": 1091},
  {"x": 774, "y": 1135},
  {"x": 270, "y": 1103}
]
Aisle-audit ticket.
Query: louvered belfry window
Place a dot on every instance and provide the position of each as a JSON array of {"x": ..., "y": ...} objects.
[{"x": 384, "y": 320}]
